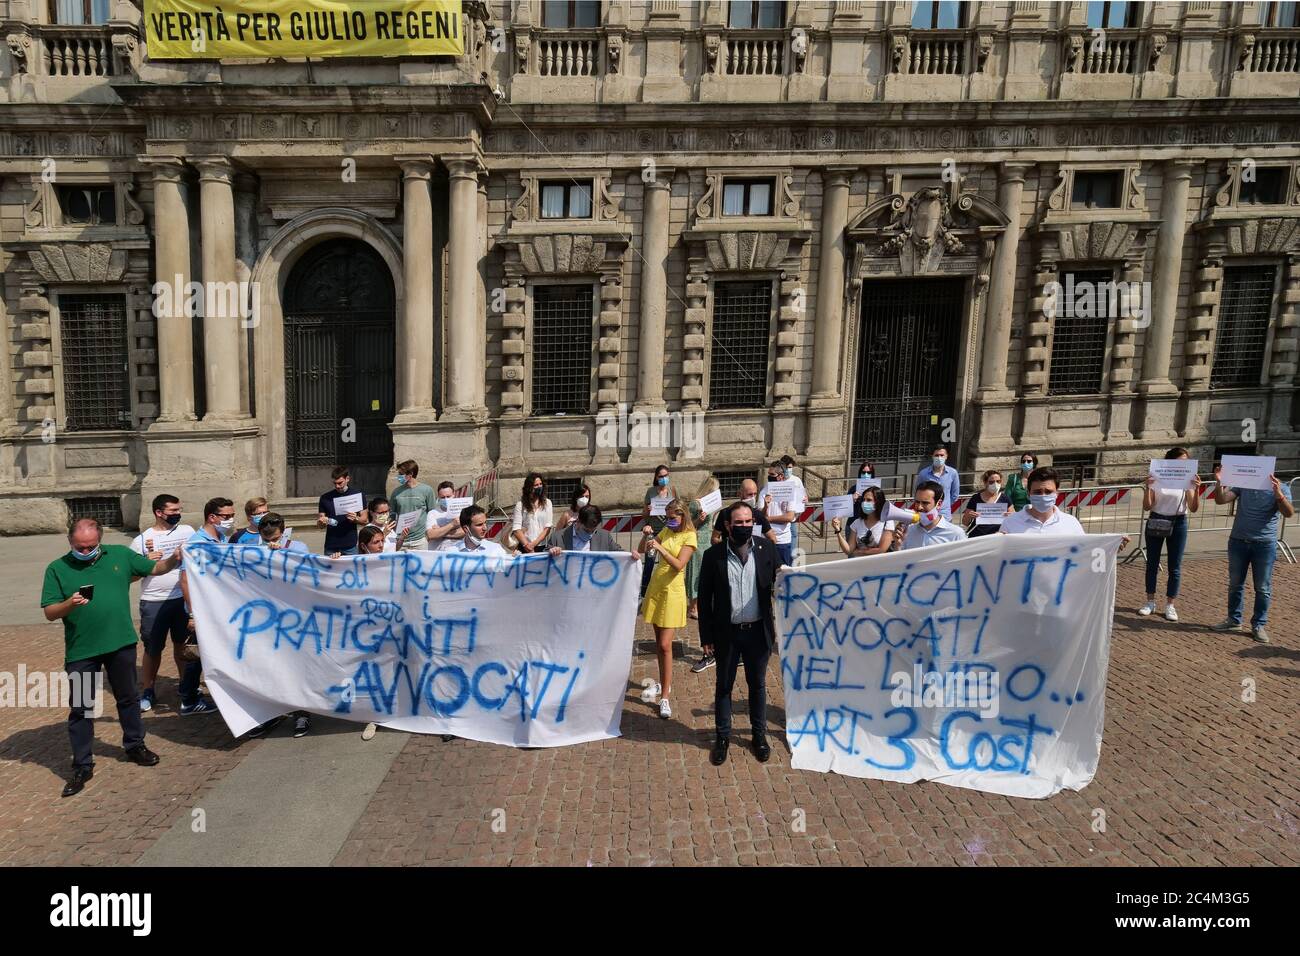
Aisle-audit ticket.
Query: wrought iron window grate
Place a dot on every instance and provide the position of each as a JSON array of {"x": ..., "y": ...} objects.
[
  {"x": 729, "y": 482},
  {"x": 1245, "y": 304},
  {"x": 107, "y": 511},
  {"x": 562, "y": 319},
  {"x": 742, "y": 318},
  {"x": 560, "y": 491},
  {"x": 96, "y": 378},
  {"x": 1079, "y": 333},
  {"x": 1075, "y": 469}
]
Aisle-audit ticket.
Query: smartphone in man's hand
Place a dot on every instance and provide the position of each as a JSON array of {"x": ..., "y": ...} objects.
[{"x": 87, "y": 591}]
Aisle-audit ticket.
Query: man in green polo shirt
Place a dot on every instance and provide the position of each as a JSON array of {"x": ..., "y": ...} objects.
[{"x": 98, "y": 633}]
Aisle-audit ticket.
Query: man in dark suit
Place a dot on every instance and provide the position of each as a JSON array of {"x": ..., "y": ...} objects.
[
  {"x": 736, "y": 581},
  {"x": 585, "y": 534}
]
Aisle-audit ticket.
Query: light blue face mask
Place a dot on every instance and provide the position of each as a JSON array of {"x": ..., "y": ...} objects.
[
  {"x": 1026, "y": 466},
  {"x": 868, "y": 507},
  {"x": 257, "y": 519},
  {"x": 938, "y": 462},
  {"x": 401, "y": 479},
  {"x": 86, "y": 557},
  {"x": 662, "y": 482},
  {"x": 1043, "y": 502}
]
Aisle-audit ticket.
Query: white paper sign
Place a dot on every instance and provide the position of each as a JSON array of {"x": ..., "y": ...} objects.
[
  {"x": 657, "y": 505},
  {"x": 431, "y": 643},
  {"x": 990, "y": 512},
  {"x": 1173, "y": 474},
  {"x": 885, "y": 677},
  {"x": 711, "y": 503},
  {"x": 1247, "y": 471},
  {"x": 838, "y": 506},
  {"x": 782, "y": 490},
  {"x": 406, "y": 520},
  {"x": 865, "y": 483},
  {"x": 349, "y": 504}
]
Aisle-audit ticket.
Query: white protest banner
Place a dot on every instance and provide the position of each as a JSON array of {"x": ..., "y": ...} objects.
[
  {"x": 711, "y": 503},
  {"x": 865, "y": 483},
  {"x": 1247, "y": 471},
  {"x": 979, "y": 664},
  {"x": 838, "y": 506},
  {"x": 421, "y": 641},
  {"x": 406, "y": 520},
  {"x": 349, "y": 504},
  {"x": 990, "y": 512},
  {"x": 658, "y": 504},
  {"x": 1173, "y": 474}
]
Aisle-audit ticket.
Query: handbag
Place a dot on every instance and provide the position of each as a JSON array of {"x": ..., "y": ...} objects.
[{"x": 1159, "y": 526}]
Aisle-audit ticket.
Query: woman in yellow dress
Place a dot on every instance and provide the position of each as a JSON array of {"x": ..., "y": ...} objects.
[{"x": 665, "y": 599}]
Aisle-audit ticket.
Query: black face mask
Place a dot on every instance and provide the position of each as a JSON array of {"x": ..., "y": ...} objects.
[
  {"x": 739, "y": 535},
  {"x": 172, "y": 520},
  {"x": 539, "y": 492}
]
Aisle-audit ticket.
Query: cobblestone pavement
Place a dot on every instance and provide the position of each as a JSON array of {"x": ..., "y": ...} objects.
[{"x": 1190, "y": 774}]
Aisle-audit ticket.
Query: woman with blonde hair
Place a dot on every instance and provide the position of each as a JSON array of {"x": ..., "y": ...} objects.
[{"x": 664, "y": 606}]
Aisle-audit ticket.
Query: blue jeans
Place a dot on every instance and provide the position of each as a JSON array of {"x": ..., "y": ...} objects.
[
  {"x": 786, "y": 551},
  {"x": 1259, "y": 555},
  {"x": 1177, "y": 540}
]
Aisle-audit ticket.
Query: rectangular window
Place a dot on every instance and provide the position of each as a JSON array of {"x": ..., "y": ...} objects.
[
  {"x": 1075, "y": 469},
  {"x": 938, "y": 15},
  {"x": 1083, "y": 314},
  {"x": 742, "y": 318},
  {"x": 1113, "y": 16},
  {"x": 107, "y": 511},
  {"x": 1245, "y": 304},
  {"x": 1285, "y": 15},
  {"x": 92, "y": 332},
  {"x": 747, "y": 197},
  {"x": 87, "y": 205},
  {"x": 729, "y": 482},
  {"x": 760, "y": 14},
  {"x": 1096, "y": 189},
  {"x": 79, "y": 12},
  {"x": 560, "y": 491},
  {"x": 571, "y": 14},
  {"x": 566, "y": 200},
  {"x": 562, "y": 321},
  {"x": 1266, "y": 188}
]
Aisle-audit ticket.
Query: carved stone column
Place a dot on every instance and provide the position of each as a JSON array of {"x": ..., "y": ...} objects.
[
  {"x": 222, "y": 328},
  {"x": 1002, "y": 285},
  {"x": 175, "y": 332},
  {"x": 465, "y": 388},
  {"x": 415, "y": 330},
  {"x": 654, "y": 291},
  {"x": 828, "y": 335}
]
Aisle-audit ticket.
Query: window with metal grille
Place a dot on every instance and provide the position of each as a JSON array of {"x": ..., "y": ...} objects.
[
  {"x": 1113, "y": 16},
  {"x": 566, "y": 200},
  {"x": 564, "y": 14},
  {"x": 729, "y": 482},
  {"x": 92, "y": 330},
  {"x": 747, "y": 197},
  {"x": 107, "y": 511},
  {"x": 938, "y": 15},
  {"x": 1075, "y": 469},
  {"x": 1083, "y": 312},
  {"x": 1245, "y": 304},
  {"x": 562, "y": 349},
  {"x": 1266, "y": 187},
  {"x": 1096, "y": 189},
  {"x": 762, "y": 14},
  {"x": 87, "y": 205},
  {"x": 560, "y": 491},
  {"x": 742, "y": 318}
]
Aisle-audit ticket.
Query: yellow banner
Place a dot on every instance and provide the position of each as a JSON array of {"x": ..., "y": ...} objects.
[{"x": 202, "y": 30}]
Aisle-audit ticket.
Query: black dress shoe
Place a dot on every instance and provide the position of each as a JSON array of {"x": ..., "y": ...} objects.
[
  {"x": 719, "y": 755},
  {"x": 761, "y": 749},
  {"x": 79, "y": 777},
  {"x": 142, "y": 755}
]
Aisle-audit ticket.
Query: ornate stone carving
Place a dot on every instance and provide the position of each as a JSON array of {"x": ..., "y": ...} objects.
[
  {"x": 1244, "y": 50},
  {"x": 712, "y": 44},
  {"x": 1157, "y": 49},
  {"x": 799, "y": 48},
  {"x": 125, "y": 53},
  {"x": 704, "y": 208},
  {"x": 897, "y": 52},
  {"x": 35, "y": 217},
  {"x": 983, "y": 47},
  {"x": 1137, "y": 196},
  {"x": 522, "y": 43},
  {"x": 522, "y": 211},
  {"x": 614, "y": 47},
  {"x": 606, "y": 205},
  {"x": 1074, "y": 53},
  {"x": 20, "y": 45},
  {"x": 78, "y": 262},
  {"x": 134, "y": 214},
  {"x": 1056, "y": 200}
]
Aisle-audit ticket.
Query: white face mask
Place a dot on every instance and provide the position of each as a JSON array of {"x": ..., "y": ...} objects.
[
  {"x": 994, "y": 487},
  {"x": 583, "y": 502},
  {"x": 227, "y": 524},
  {"x": 751, "y": 500}
]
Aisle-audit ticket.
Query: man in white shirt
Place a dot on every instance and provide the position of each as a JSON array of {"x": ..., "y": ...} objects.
[
  {"x": 473, "y": 523},
  {"x": 1041, "y": 516},
  {"x": 933, "y": 528},
  {"x": 783, "y": 509},
  {"x": 162, "y": 605},
  {"x": 443, "y": 527}
]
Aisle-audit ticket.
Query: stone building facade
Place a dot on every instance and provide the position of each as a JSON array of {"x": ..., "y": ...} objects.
[{"x": 833, "y": 234}]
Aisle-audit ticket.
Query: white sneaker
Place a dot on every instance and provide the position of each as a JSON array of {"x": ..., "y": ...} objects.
[
  {"x": 370, "y": 731},
  {"x": 1146, "y": 610},
  {"x": 1171, "y": 613},
  {"x": 665, "y": 709},
  {"x": 650, "y": 691}
]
